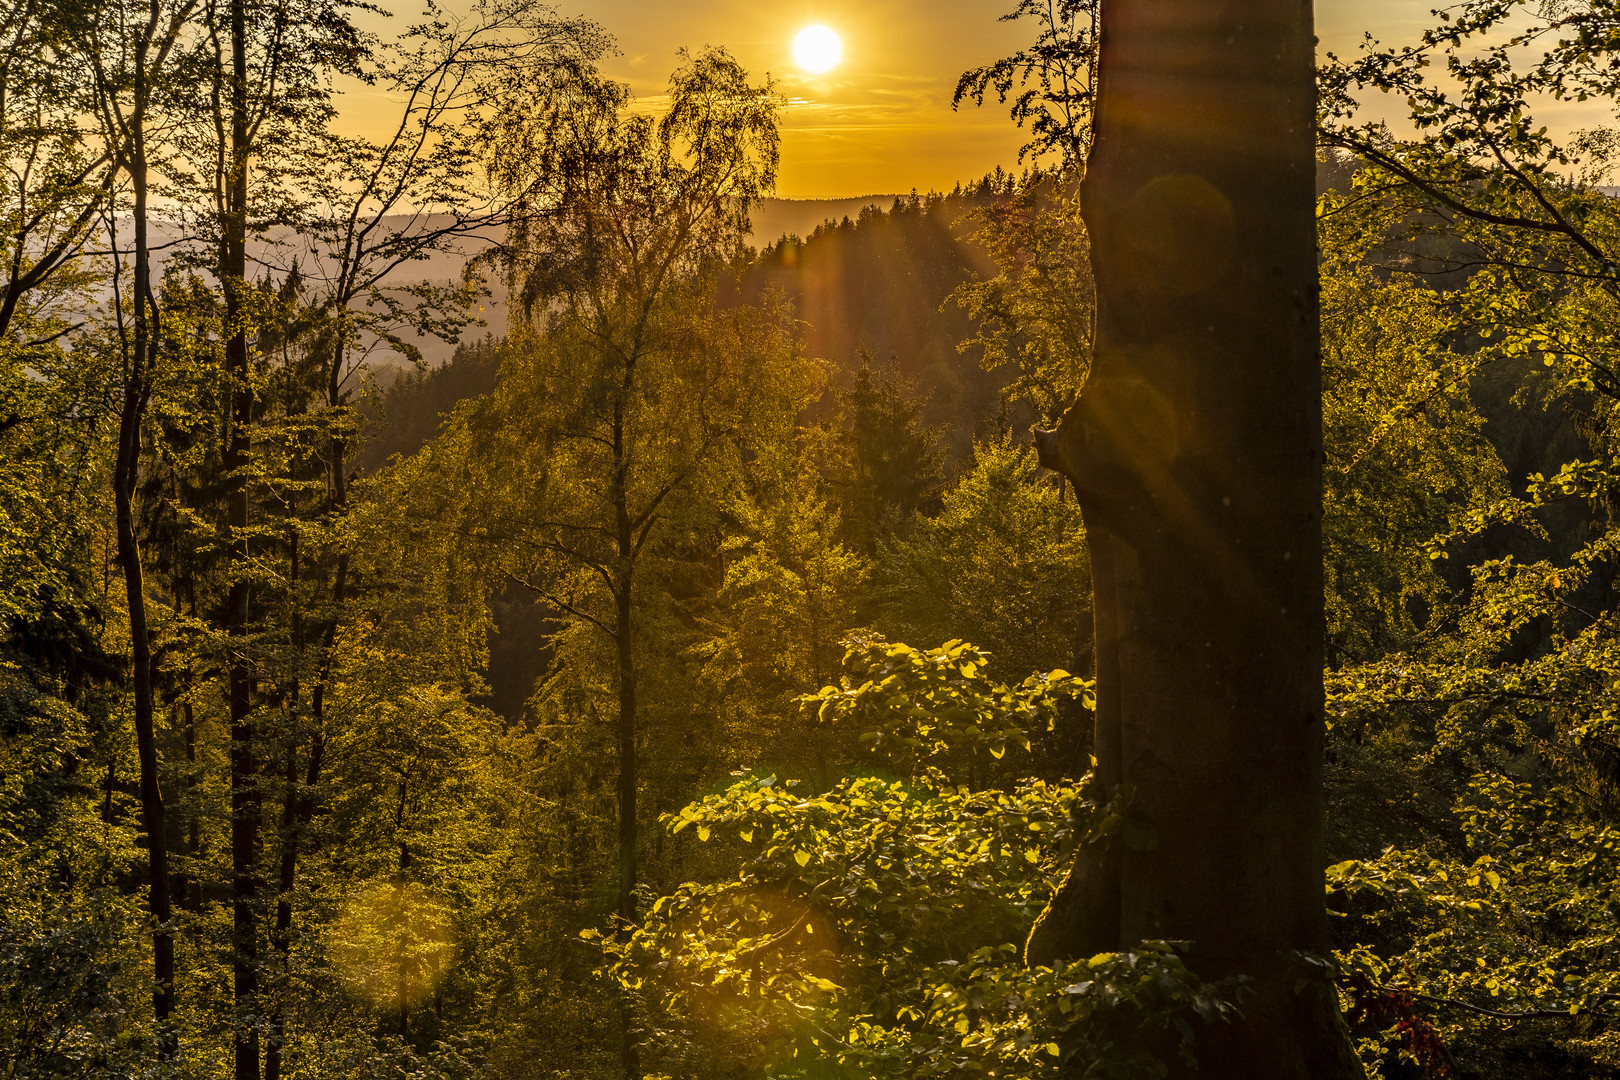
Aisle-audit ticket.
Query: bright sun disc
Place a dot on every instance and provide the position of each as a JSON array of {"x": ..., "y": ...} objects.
[{"x": 817, "y": 49}]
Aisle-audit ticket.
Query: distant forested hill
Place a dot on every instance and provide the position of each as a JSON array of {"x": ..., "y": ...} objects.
[
  {"x": 771, "y": 219},
  {"x": 407, "y": 409},
  {"x": 879, "y": 283},
  {"x": 774, "y": 218},
  {"x": 875, "y": 283}
]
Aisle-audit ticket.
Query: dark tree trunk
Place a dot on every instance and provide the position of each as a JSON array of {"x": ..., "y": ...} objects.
[
  {"x": 287, "y": 870},
  {"x": 627, "y": 754},
  {"x": 193, "y": 875},
  {"x": 630, "y": 1051},
  {"x": 624, "y": 637},
  {"x": 1195, "y": 450},
  {"x": 402, "y": 958},
  {"x": 137, "y": 389},
  {"x": 298, "y": 811},
  {"x": 245, "y": 794}
]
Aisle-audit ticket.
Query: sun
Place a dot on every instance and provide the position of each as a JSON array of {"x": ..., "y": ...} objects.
[{"x": 817, "y": 49}]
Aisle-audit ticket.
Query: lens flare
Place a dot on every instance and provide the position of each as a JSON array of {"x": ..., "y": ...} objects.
[{"x": 392, "y": 942}]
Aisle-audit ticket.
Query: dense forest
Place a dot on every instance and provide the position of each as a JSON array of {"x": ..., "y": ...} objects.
[{"x": 709, "y": 676}]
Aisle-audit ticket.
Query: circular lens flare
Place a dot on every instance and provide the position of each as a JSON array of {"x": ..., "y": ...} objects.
[
  {"x": 817, "y": 49},
  {"x": 392, "y": 942}
]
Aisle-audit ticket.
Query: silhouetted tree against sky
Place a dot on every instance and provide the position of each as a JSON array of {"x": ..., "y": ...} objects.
[{"x": 1195, "y": 448}]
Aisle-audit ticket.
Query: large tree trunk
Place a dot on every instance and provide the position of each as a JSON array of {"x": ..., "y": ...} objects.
[{"x": 1195, "y": 450}]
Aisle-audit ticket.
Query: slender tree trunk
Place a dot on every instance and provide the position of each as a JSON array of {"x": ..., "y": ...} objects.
[
  {"x": 1195, "y": 450},
  {"x": 624, "y": 637},
  {"x": 245, "y": 794},
  {"x": 631, "y": 1051},
  {"x": 187, "y": 586},
  {"x": 281, "y": 931},
  {"x": 627, "y": 749},
  {"x": 402, "y": 958},
  {"x": 137, "y": 386},
  {"x": 193, "y": 897},
  {"x": 299, "y": 812}
]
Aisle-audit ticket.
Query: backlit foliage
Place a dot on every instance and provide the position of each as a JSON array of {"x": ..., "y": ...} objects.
[{"x": 875, "y": 929}]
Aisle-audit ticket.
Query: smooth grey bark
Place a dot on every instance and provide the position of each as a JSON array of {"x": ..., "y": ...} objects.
[{"x": 1195, "y": 449}]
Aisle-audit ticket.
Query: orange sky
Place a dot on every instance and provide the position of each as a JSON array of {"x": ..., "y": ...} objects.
[{"x": 881, "y": 122}]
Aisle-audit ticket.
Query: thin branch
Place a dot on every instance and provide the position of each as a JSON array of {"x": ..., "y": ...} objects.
[
  {"x": 1388, "y": 161},
  {"x": 1498, "y": 1014}
]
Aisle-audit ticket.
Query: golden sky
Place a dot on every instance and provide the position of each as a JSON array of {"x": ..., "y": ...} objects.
[{"x": 881, "y": 121}]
